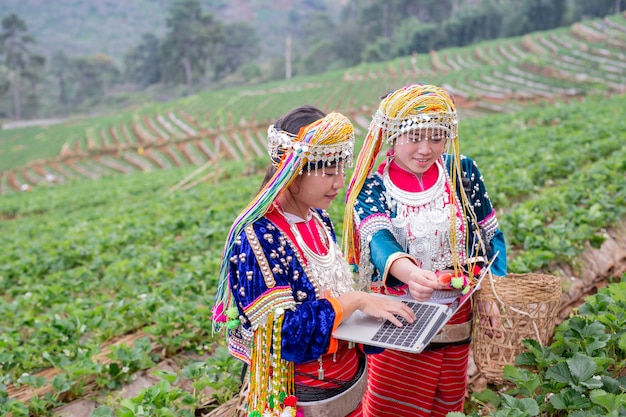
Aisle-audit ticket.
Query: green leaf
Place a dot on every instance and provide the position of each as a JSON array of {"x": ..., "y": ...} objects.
[
  {"x": 622, "y": 344},
  {"x": 114, "y": 369},
  {"x": 527, "y": 406},
  {"x": 578, "y": 413},
  {"x": 124, "y": 412},
  {"x": 610, "y": 402},
  {"x": 32, "y": 380},
  {"x": 61, "y": 383},
  {"x": 569, "y": 400},
  {"x": 530, "y": 406},
  {"x": 525, "y": 359},
  {"x": 168, "y": 376},
  {"x": 581, "y": 367},
  {"x": 102, "y": 411},
  {"x": 560, "y": 372}
]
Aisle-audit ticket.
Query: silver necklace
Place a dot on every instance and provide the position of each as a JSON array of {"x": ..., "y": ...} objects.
[
  {"x": 330, "y": 273},
  {"x": 316, "y": 256},
  {"x": 415, "y": 198},
  {"x": 423, "y": 221}
]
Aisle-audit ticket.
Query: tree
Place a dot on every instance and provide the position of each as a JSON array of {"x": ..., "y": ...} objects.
[
  {"x": 319, "y": 58},
  {"x": 19, "y": 59},
  {"x": 91, "y": 77},
  {"x": 60, "y": 71},
  {"x": 348, "y": 43},
  {"x": 414, "y": 36},
  {"x": 532, "y": 15},
  {"x": 189, "y": 43},
  {"x": 472, "y": 24},
  {"x": 240, "y": 46},
  {"x": 315, "y": 53},
  {"x": 599, "y": 8},
  {"x": 379, "y": 51},
  {"x": 143, "y": 63}
]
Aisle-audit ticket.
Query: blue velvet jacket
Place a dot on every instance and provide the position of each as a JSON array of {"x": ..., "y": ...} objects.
[{"x": 267, "y": 274}]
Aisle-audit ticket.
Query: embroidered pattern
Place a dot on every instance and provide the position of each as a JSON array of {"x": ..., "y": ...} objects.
[
  {"x": 270, "y": 300},
  {"x": 268, "y": 275}
]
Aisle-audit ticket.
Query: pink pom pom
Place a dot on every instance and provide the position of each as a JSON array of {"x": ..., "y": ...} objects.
[{"x": 218, "y": 313}]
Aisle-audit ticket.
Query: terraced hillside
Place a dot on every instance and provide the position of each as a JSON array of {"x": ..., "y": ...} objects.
[{"x": 492, "y": 77}]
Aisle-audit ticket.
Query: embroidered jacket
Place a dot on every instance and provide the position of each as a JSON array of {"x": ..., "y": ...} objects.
[
  {"x": 278, "y": 282},
  {"x": 382, "y": 229}
]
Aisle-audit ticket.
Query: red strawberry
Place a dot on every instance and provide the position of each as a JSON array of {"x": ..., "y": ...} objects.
[{"x": 445, "y": 278}]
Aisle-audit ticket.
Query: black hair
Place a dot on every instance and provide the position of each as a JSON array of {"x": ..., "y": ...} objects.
[{"x": 299, "y": 117}]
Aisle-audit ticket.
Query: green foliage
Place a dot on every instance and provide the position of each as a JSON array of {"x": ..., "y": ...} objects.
[
  {"x": 160, "y": 400},
  {"x": 578, "y": 375},
  {"x": 240, "y": 46},
  {"x": 191, "y": 37},
  {"x": 143, "y": 62},
  {"x": 221, "y": 372},
  {"x": 354, "y": 33},
  {"x": 72, "y": 282},
  {"x": 17, "y": 55}
]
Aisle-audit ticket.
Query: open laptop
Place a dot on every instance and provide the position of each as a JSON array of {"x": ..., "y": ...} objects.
[{"x": 414, "y": 337}]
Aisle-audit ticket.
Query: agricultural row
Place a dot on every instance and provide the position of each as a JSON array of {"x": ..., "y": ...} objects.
[
  {"x": 491, "y": 77},
  {"x": 86, "y": 266}
]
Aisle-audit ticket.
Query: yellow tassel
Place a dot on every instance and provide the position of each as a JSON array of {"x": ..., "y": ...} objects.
[{"x": 270, "y": 375}]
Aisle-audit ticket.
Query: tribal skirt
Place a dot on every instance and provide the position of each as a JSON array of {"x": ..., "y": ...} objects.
[{"x": 431, "y": 383}]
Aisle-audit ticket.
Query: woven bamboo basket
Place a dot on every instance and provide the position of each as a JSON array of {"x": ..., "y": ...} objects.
[{"x": 528, "y": 305}]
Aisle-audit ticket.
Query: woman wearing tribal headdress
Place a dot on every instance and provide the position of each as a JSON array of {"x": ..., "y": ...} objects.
[
  {"x": 284, "y": 284},
  {"x": 421, "y": 224}
]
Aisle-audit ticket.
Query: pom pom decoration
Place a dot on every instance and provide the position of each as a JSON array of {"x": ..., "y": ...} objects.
[
  {"x": 291, "y": 401},
  {"x": 449, "y": 280},
  {"x": 218, "y": 313}
]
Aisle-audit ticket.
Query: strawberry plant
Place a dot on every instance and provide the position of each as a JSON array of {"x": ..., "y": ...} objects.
[{"x": 580, "y": 374}]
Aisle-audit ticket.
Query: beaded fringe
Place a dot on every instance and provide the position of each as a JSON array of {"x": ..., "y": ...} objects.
[{"x": 271, "y": 378}]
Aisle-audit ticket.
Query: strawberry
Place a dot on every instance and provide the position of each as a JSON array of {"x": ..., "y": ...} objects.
[{"x": 445, "y": 278}]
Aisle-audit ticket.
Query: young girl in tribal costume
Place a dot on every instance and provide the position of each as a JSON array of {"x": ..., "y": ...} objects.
[
  {"x": 284, "y": 284},
  {"x": 422, "y": 213}
]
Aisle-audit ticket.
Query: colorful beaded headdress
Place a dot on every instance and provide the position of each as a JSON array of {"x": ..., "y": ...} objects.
[
  {"x": 314, "y": 153},
  {"x": 326, "y": 142},
  {"x": 414, "y": 109}
]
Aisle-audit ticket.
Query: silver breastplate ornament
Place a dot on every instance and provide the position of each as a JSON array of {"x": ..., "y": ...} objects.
[{"x": 422, "y": 222}]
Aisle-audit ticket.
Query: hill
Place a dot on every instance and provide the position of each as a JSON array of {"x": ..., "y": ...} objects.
[
  {"x": 87, "y": 27},
  {"x": 505, "y": 75}
]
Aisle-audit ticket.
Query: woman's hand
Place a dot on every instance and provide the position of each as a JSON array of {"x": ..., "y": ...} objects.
[
  {"x": 385, "y": 308},
  {"x": 375, "y": 306},
  {"x": 421, "y": 282}
]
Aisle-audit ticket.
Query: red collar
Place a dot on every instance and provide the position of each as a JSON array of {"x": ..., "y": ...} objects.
[
  {"x": 280, "y": 221},
  {"x": 407, "y": 180}
]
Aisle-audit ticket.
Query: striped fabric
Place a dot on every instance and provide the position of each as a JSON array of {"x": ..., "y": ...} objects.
[
  {"x": 342, "y": 366},
  {"x": 432, "y": 383}
]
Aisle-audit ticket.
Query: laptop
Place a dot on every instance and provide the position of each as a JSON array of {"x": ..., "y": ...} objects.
[{"x": 414, "y": 337}]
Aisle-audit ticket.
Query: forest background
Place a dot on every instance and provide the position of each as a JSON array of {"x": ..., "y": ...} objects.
[{"x": 71, "y": 57}]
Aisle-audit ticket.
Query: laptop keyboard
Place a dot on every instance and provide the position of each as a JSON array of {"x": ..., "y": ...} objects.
[
  {"x": 407, "y": 335},
  {"x": 444, "y": 295}
]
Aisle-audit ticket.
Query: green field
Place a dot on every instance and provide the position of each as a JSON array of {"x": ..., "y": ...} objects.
[
  {"x": 85, "y": 263},
  {"x": 89, "y": 262}
]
